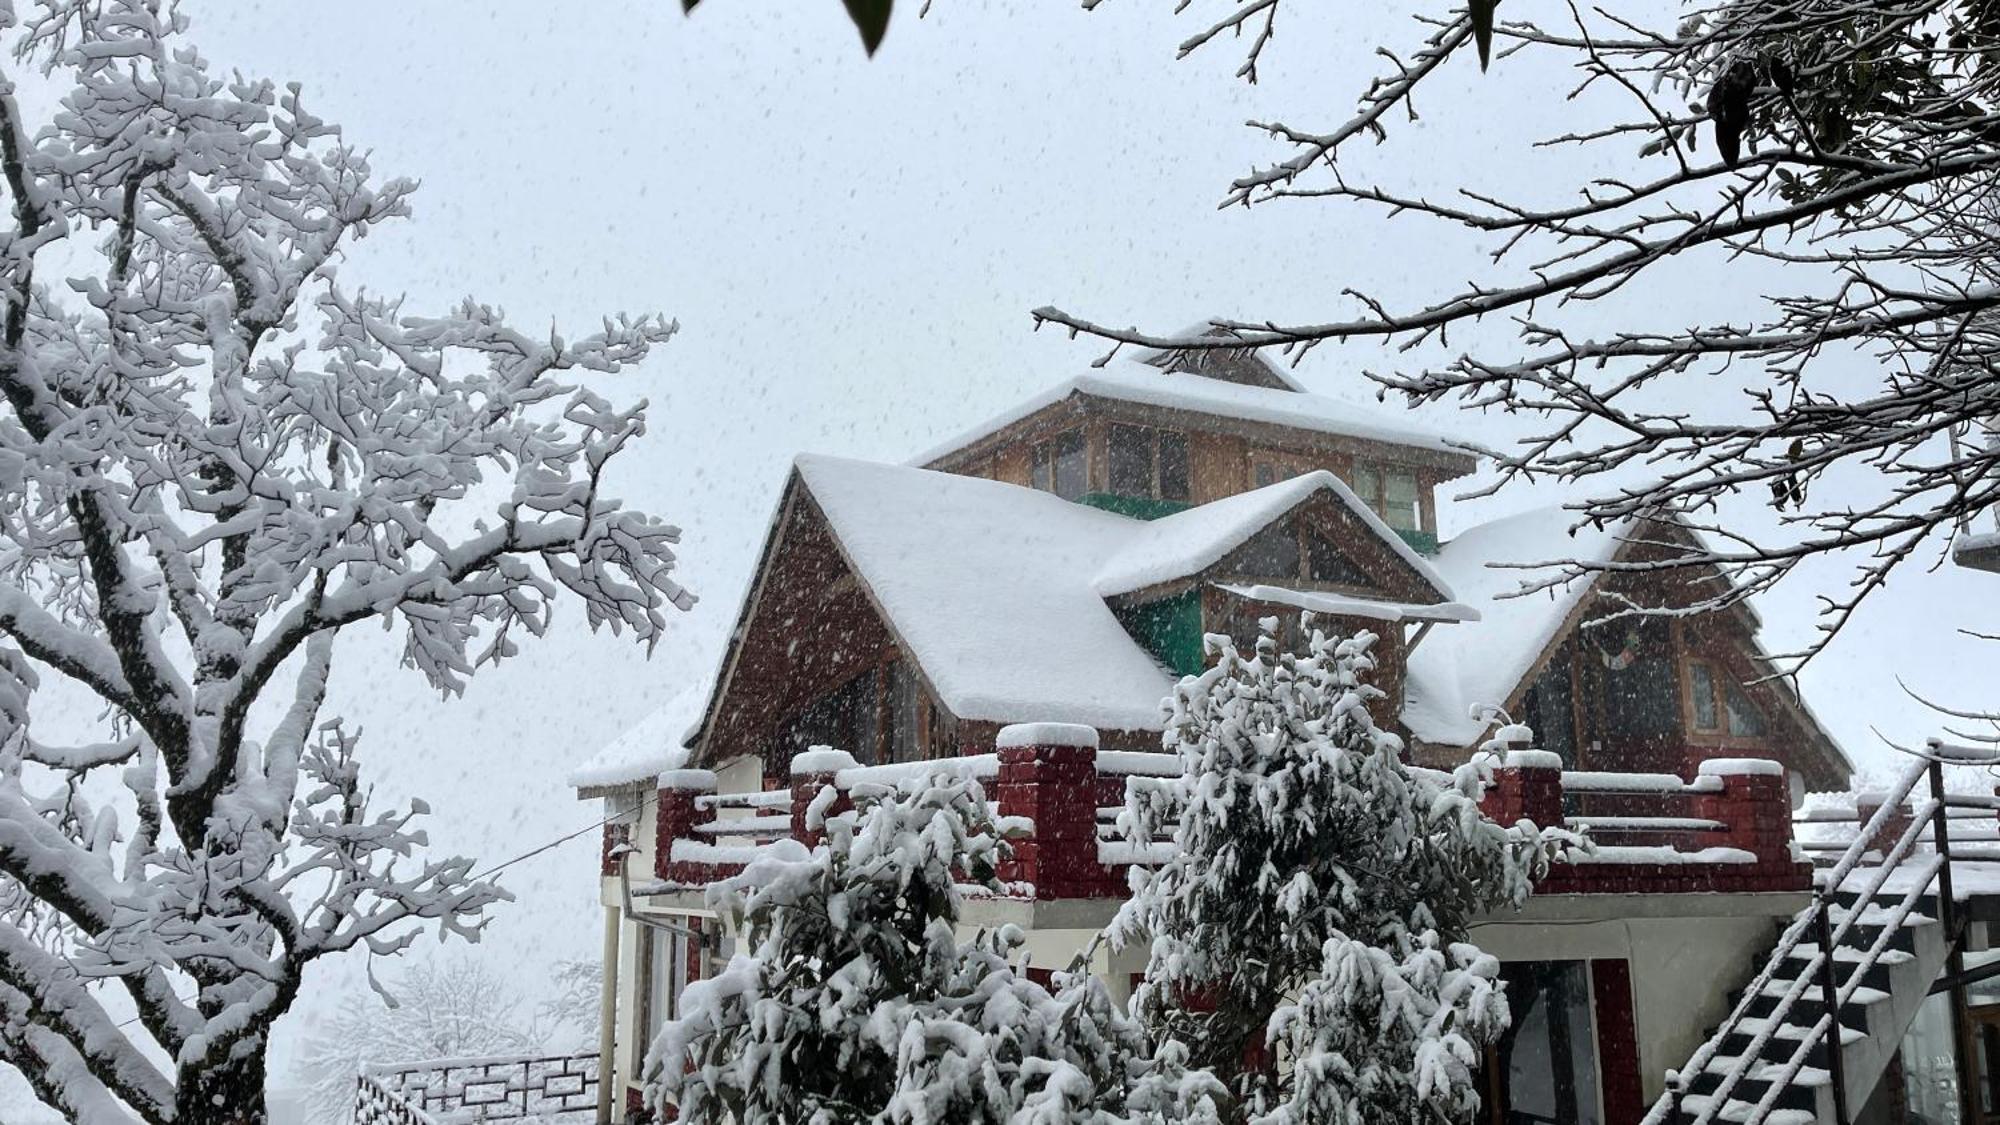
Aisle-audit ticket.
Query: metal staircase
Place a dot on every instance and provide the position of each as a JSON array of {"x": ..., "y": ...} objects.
[{"x": 1883, "y": 929}]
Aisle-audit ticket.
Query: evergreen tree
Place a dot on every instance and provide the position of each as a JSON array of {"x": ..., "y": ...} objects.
[
  {"x": 1308, "y": 934},
  {"x": 859, "y": 1002}
]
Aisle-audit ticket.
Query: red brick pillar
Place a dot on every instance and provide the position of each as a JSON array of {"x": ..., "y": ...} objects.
[
  {"x": 1866, "y": 805},
  {"x": 1754, "y": 807},
  {"x": 814, "y": 772},
  {"x": 1048, "y": 773},
  {"x": 1526, "y": 786},
  {"x": 676, "y": 816}
]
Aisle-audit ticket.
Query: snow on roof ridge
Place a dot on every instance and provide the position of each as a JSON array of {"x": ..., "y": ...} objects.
[
  {"x": 1208, "y": 329},
  {"x": 1132, "y": 380}
]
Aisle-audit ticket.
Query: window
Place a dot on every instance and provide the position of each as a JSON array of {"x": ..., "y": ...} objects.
[
  {"x": 1173, "y": 466},
  {"x": 1272, "y": 552},
  {"x": 1718, "y": 704},
  {"x": 1270, "y": 468},
  {"x": 1546, "y": 1062},
  {"x": 1148, "y": 463},
  {"x": 1325, "y": 563},
  {"x": 844, "y": 720},
  {"x": 668, "y": 960},
  {"x": 1641, "y": 696},
  {"x": 1390, "y": 493},
  {"x": 906, "y": 697},
  {"x": 1060, "y": 465}
]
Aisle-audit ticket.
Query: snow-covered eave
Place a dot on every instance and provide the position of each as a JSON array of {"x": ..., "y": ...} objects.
[
  {"x": 637, "y": 786},
  {"x": 1348, "y": 606}
]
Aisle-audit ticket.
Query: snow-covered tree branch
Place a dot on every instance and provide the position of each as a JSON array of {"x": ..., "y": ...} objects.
[
  {"x": 1829, "y": 162},
  {"x": 214, "y": 455}
]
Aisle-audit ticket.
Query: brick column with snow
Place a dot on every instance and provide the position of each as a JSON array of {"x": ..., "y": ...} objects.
[
  {"x": 677, "y": 815},
  {"x": 815, "y": 772},
  {"x": 1526, "y": 786},
  {"x": 1048, "y": 773},
  {"x": 1754, "y": 807}
]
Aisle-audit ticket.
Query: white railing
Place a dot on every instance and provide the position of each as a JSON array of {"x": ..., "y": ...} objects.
[{"x": 541, "y": 1088}]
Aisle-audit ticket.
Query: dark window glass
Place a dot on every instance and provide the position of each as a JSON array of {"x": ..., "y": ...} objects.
[
  {"x": 1548, "y": 1058},
  {"x": 1069, "y": 465},
  {"x": 1173, "y": 466},
  {"x": 1325, "y": 563},
  {"x": 1642, "y": 696},
  {"x": 1272, "y": 552},
  {"x": 905, "y": 697},
  {"x": 844, "y": 720},
  {"x": 1038, "y": 474},
  {"x": 1701, "y": 684},
  {"x": 1745, "y": 721},
  {"x": 1399, "y": 500},
  {"x": 1131, "y": 461},
  {"x": 1548, "y": 706},
  {"x": 1264, "y": 473}
]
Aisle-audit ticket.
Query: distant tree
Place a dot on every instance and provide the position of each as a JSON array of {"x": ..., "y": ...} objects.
[
  {"x": 1845, "y": 152},
  {"x": 433, "y": 1009},
  {"x": 568, "y": 1020},
  {"x": 214, "y": 455},
  {"x": 857, "y": 1000},
  {"x": 1308, "y": 931}
]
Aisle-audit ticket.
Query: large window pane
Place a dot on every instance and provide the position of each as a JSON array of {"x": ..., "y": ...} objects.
[
  {"x": 1745, "y": 721},
  {"x": 1399, "y": 500},
  {"x": 905, "y": 697},
  {"x": 1173, "y": 466},
  {"x": 1272, "y": 552},
  {"x": 1070, "y": 465},
  {"x": 1641, "y": 684},
  {"x": 1548, "y": 1058},
  {"x": 1042, "y": 455},
  {"x": 1367, "y": 484},
  {"x": 1131, "y": 461},
  {"x": 1701, "y": 682},
  {"x": 1325, "y": 563}
]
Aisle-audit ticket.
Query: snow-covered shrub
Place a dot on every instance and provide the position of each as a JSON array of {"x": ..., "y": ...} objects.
[
  {"x": 859, "y": 1002},
  {"x": 1308, "y": 934}
]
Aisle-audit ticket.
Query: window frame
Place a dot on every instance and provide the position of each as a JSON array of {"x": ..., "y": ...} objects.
[
  {"x": 1154, "y": 440},
  {"x": 1375, "y": 493},
  {"x": 1720, "y": 679}
]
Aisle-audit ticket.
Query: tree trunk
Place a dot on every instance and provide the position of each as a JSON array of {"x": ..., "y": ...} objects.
[{"x": 230, "y": 1092}]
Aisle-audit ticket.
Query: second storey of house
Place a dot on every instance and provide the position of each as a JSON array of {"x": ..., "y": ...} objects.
[{"x": 1150, "y": 437}]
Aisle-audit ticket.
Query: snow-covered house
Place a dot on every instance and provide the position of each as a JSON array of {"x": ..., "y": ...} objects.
[{"x": 1060, "y": 565}]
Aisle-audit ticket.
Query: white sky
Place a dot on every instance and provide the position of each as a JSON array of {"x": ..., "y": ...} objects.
[{"x": 852, "y": 248}]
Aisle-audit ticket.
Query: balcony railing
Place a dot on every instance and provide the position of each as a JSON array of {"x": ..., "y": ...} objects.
[
  {"x": 554, "y": 1089},
  {"x": 1727, "y": 828}
]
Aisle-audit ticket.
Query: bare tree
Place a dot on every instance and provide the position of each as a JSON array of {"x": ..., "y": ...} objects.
[
  {"x": 1851, "y": 146},
  {"x": 213, "y": 456}
]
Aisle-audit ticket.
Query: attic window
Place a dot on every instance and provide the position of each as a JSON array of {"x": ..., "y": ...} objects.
[
  {"x": 1390, "y": 493},
  {"x": 1719, "y": 705},
  {"x": 1148, "y": 463},
  {"x": 1058, "y": 465},
  {"x": 1289, "y": 550}
]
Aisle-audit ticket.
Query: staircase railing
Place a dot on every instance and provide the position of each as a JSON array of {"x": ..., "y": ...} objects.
[{"x": 1815, "y": 925}]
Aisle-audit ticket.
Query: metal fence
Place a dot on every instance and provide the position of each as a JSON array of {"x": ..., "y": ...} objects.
[{"x": 550, "y": 1088}]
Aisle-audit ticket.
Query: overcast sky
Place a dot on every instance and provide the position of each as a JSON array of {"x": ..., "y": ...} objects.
[{"x": 852, "y": 248}]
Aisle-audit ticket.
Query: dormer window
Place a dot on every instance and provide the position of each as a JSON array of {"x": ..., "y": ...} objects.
[
  {"x": 1059, "y": 465},
  {"x": 1292, "y": 551},
  {"x": 1148, "y": 463},
  {"x": 1390, "y": 493}
]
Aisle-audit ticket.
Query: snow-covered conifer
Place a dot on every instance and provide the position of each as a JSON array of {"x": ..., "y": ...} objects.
[
  {"x": 1308, "y": 934},
  {"x": 858, "y": 1001},
  {"x": 215, "y": 452}
]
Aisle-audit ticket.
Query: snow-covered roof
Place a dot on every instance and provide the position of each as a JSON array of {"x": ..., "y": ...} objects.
[
  {"x": 1159, "y": 357},
  {"x": 1132, "y": 380},
  {"x": 988, "y": 586},
  {"x": 1454, "y": 669},
  {"x": 999, "y": 591},
  {"x": 1189, "y": 541},
  {"x": 653, "y": 745}
]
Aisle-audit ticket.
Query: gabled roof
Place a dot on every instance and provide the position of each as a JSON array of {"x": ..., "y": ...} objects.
[
  {"x": 1454, "y": 669},
  {"x": 1193, "y": 540},
  {"x": 1236, "y": 365},
  {"x": 987, "y": 587},
  {"x": 1135, "y": 381}
]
